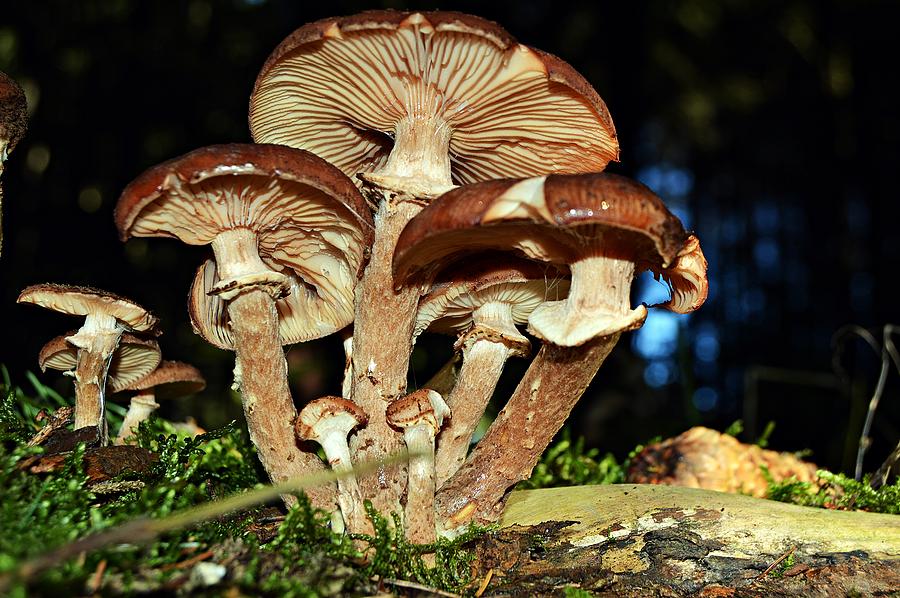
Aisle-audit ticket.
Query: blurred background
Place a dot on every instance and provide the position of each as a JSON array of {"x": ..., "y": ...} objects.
[{"x": 767, "y": 126}]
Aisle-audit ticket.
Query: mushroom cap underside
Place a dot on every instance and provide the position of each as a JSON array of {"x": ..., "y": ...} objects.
[
  {"x": 133, "y": 359},
  {"x": 83, "y": 301}
]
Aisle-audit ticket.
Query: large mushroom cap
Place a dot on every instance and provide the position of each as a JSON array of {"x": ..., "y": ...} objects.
[
  {"x": 348, "y": 88},
  {"x": 302, "y": 314},
  {"x": 302, "y": 216},
  {"x": 606, "y": 226},
  {"x": 13, "y": 114},
  {"x": 85, "y": 301},
  {"x": 133, "y": 359}
]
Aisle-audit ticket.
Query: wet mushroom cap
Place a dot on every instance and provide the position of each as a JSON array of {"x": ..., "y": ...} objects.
[
  {"x": 307, "y": 217},
  {"x": 542, "y": 218},
  {"x": 302, "y": 315},
  {"x": 134, "y": 359},
  {"x": 13, "y": 114},
  {"x": 84, "y": 301},
  {"x": 456, "y": 294},
  {"x": 328, "y": 414},
  {"x": 343, "y": 87},
  {"x": 171, "y": 379}
]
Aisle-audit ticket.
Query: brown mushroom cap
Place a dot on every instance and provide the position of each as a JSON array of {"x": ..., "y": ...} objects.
[
  {"x": 134, "y": 358},
  {"x": 423, "y": 407},
  {"x": 522, "y": 285},
  {"x": 84, "y": 301},
  {"x": 307, "y": 216},
  {"x": 302, "y": 314},
  {"x": 328, "y": 414},
  {"x": 543, "y": 218},
  {"x": 339, "y": 87},
  {"x": 171, "y": 379},
  {"x": 13, "y": 114}
]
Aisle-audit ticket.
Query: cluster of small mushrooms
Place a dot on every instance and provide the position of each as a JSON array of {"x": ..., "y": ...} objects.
[{"x": 411, "y": 172}]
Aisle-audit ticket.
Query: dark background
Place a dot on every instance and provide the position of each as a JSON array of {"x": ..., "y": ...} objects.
[{"x": 771, "y": 128}]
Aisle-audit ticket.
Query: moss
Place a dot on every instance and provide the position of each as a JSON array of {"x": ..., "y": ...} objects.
[
  {"x": 836, "y": 491},
  {"x": 567, "y": 463}
]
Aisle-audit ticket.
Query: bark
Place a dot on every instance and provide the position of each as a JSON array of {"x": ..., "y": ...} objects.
[
  {"x": 638, "y": 540},
  {"x": 478, "y": 376},
  {"x": 382, "y": 343},
  {"x": 535, "y": 412},
  {"x": 268, "y": 406}
]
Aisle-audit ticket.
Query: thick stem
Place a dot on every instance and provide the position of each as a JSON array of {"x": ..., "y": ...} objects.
[
  {"x": 140, "y": 408},
  {"x": 542, "y": 401},
  {"x": 381, "y": 348},
  {"x": 238, "y": 265},
  {"x": 268, "y": 406},
  {"x": 598, "y": 303},
  {"x": 96, "y": 340},
  {"x": 420, "y": 158},
  {"x": 419, "y": 512},
  {"x": 482, "y": 364}
]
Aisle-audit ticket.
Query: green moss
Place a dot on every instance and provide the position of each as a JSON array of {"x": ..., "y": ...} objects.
[
  {"x": 836, "y": 491},
  {"x": 567, "y": 463}
]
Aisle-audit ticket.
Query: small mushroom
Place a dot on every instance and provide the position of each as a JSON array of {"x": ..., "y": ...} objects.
[
  {"x": 605, "y": 228},
  {"x": 413, "y": 104},
  {"x": 420, "y": 415},
  {"x": 328, "y": 421},
  {"x": 13, "y": 124},
  {"x": 481, "y": 303},
  {"x": 170, "y": 380},
  {"x": 107, "y": 317},
  {"x": 281, "y": 223}
]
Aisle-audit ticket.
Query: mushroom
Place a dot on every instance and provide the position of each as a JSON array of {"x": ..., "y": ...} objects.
[
  {"x": 420, "y": 415},
  {"x": 414, "y": 103},
  {"x": 605, "y": 228},
  {"x": 13, "y": 124},
  {"x": 281, "y": 222},
  {"x": 328, "y": 421},
  {"x": 170, "y": 380},
  {"x": 107, "y": 317},
  {"x": 482, "y": 302}
]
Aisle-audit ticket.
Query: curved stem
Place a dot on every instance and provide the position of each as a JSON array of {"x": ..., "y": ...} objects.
[
  {"x": 140, "y": 408},
  {"x": 542, "y": 401},
  {"x": 268, "y": 406},
  {"x": 482, "y": 364}
]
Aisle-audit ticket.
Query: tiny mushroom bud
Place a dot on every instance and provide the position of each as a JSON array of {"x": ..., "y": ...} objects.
[
  {"x": 282, "y": 223},
  {"x": 414, "y": 103},
  {"x": 107, "y": 317},
  {"x": 605, "y": 228},
  {"x": 420, "y": 415},
  {"x": 482, "y": 302},
  {"x": 328, "y": 421},
  {"x": 170, "y": 380},
  {"x": 13, "y": 123}
]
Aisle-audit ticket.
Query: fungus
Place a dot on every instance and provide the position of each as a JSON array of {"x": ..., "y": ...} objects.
[
  {"x": 328, "y": 421},
  {"x": 281, "y": 222},
  {"x": 420, "y": 415},
  {"x": 13, "y": 124},
  {"x": 106, "y": 318},
  {"x": 482, "y": 303},
  {"x": 605, "y": 228},
  {"x": 170, "y": 380},
  {"x": 414, "y": 103}
]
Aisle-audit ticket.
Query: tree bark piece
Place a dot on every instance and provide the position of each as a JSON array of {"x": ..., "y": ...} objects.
[
  {"x": 535, "y": 412},
  {"x": 640, "y": 540}
]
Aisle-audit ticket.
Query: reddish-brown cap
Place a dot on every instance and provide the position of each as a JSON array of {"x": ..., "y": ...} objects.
[
  {"x": 170, "y": 380},
  {"x": 84, "y": 301},
  {"x": 133, "y": 359},
  {"x": 544, "y": 218},
  {"x": 423, "y": 407},
  {"x": 328, "y": 415},
  {"x": 339, "y": 86},
  {"x": 13, "y": 114}
]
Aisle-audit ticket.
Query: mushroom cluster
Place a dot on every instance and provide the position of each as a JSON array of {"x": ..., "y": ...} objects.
[{"x": 410, "y": 172}]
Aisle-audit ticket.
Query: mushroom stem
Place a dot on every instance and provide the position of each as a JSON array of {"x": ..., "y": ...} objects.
[
  {"x": 140, "y": 408},
  {"x": 535, "y": 412},
  {"x": 347, "y": 382},
  {"x": 419, "y": 512},
  {"x": 382, "y": 345},
  {"x": 482, "y": 364},
  {"x": 421, "y": 151},
  {"x": 597, "y": 304},
  {"x": 268, "y": 406},
  {"x": 238, "y": 265},
  {"x": 349, "y": 498}
]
